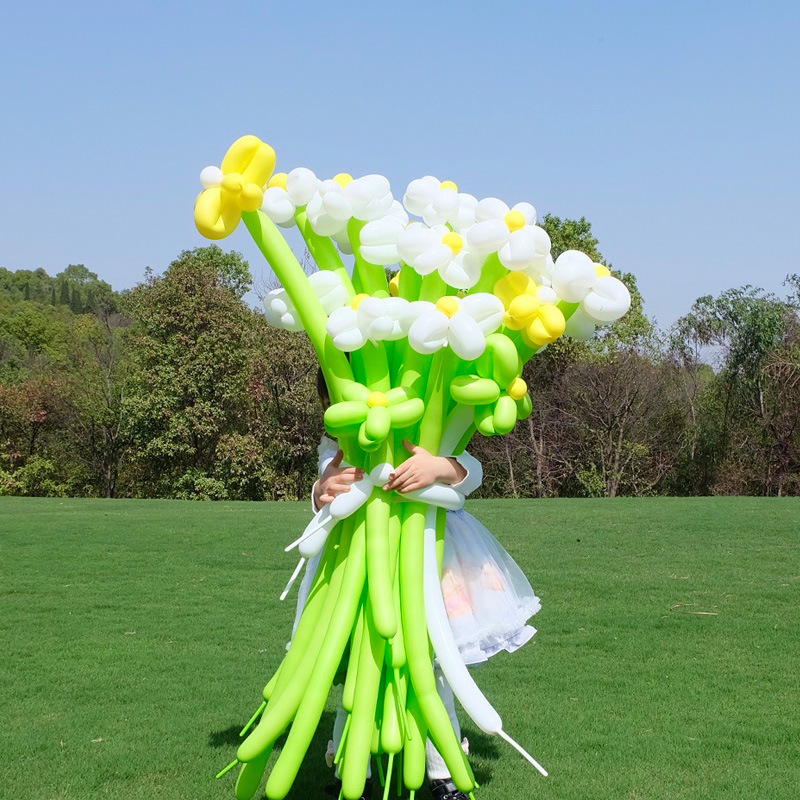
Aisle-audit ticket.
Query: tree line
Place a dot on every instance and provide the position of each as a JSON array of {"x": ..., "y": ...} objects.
[{"x": 178, "y": 388}]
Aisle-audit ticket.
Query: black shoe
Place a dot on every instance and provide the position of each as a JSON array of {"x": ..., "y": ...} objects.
[
  {"x": 447, "y": 790},
  {"x": 335, "y": 789}
]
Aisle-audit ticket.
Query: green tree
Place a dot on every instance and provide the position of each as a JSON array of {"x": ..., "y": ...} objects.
[
  {"x": 192, "y": 345},
  {"x": 231, "y": 268},
  {"x": 740, "y": 330}
]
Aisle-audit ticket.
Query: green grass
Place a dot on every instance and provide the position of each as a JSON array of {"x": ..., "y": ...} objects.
[{"x": 137, "y": 636}]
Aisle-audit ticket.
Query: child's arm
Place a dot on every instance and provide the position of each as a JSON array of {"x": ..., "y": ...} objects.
[
  {"x": 424, "y": 469},
  {"x": 334, "y": 480}
]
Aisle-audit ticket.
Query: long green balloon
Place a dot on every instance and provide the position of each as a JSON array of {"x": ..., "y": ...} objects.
[
  {"x": 417, "y": 647},
  {"x": 318, "y": 686}
]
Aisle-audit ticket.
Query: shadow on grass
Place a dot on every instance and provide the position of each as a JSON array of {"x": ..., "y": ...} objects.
[
  {"x": 483, "y": 750},
  {"x": 226, "y": 738},
  {"x": 314, "y": 774}
]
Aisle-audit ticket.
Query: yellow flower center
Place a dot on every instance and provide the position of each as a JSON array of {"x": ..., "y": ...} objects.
[
  {"x": 455, "y": 241},
  {"x": 515, "y": 220},
  {"x": 233, "y": 182},
  {"x": 523, "y": 307},
  {"x": 601, "y": 270},
  {"x": 394, "y": 285},
  {"x": 358, "y": 300},
  {"x": 448, "y": 185},
  {"x": 377, "y": 399},
  {"x": 447, "y": 305},
  {"x": 517, "y": 389},
  {"x": 278, "y": 179},
  {"x": 343, "y": 178}
]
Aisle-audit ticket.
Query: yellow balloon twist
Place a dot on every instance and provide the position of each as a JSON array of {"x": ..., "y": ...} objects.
[
  {"x": 541, "y": 322},
  {"x": 246, "y": 169}
]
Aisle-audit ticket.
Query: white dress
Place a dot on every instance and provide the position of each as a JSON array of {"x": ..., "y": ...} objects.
[{"x": 488, "y": 598}]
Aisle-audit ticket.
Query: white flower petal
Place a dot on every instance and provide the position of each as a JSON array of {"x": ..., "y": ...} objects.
[
  {"x": 487, "y": 236},
  {"x": 519, "y": 252},
  {"x": 370, "y": 197},
  {"x": 384, "y": 255},
  {"x": 463, "y": 271},
  {"x": 337, "y": 206},
  {"x": 412, "y": 311},
  {"x": 396, "y": 310},
  {"x": 210, "y": 177},
  {"x": 329, "y": 289},
  {"x": 486, "y": 309},
  {"x": 277, "y": 205},
  {"x": 465, "y": 217},
  {"x": 342, "y": 240},
  {"x": 419, "y": 194},
  {"x": 396, "y": 211},
  {"x": 379, "y": 240},
  {"x": 608, "y": 300},
  {"x": 317, "y": 210},
  {"x": 344, "y": 330},
  {"x": 573, "y": 276},
  {"x": 415, "y": 240},
  {"x": 428, "y": 333},
  {"x": 465, "y": 337},
  {"x": 382, "y": 231},
  {"x": 280, "y": 311},
  {"x": 301, "y": 185},
  {"x": 579, "y": 326},
  {"x": 436, "y": 257},
  {"x": 546, "y": 294},
  {"x": 528, "y": 211},
  {"x": 490, "y": 208}
]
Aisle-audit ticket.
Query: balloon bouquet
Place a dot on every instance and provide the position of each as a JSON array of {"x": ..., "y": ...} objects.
[{"x": 432, "y": 355}]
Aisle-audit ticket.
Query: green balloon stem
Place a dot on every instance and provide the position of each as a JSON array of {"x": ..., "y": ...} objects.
[
  {"x": 388, "y": 782},
  {"x": 323, "y": 251},
  {"x": 339, "y": 750},
  {"x": 370, "y": 277},
  {"x": 228, "y": 768},
  {"x": 400, "y": 777},
  {"x": 381, "y": 776},
  {"x": 286, "y": 267},
  {"x": 491, "y": 272},
  {"x": 433, "y": 287},
  {"x": 253, "y": 719}
]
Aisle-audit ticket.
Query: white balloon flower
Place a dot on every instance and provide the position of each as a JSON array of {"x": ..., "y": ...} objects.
[
  {"x": 438, "y": 248},
  {"x": 285, "y": 193},
  {"x": 281, "y": 312},
  {"x": 440, "y": 203},
  {"x": 512, "y": 233},
  {"x": 379, "y": 238},
  {"x": 461, "y": 324},
  {"x": 368, "y": 319},
  {"x": 342, "y": 198},
  {"x": 577, "y": 279}
]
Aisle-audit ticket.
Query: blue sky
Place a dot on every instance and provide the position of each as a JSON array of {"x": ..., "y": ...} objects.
[{"x": 673, "y": 127}]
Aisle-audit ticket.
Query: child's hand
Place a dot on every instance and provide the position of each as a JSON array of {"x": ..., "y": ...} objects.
[
  {"x": 424, "y": 469},
  {"x": 335, "y": 480}
]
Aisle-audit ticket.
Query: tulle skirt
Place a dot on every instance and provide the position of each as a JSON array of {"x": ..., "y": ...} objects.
[{"x": 488, "y": 598}]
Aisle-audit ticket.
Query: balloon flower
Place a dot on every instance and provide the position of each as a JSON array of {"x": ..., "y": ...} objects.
[{"x": 423, "y": 314}]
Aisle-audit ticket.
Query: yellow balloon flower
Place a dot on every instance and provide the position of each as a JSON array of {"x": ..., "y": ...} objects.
[
  {"x": 237, "y": 186},
  {"x": 529, "y": 309}
]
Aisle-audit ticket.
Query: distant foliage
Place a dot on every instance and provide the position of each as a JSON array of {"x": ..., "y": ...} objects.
[{"x": 179, "y": 389}]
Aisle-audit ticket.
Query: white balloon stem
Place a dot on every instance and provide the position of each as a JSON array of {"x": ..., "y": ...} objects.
[
  {"x": 322, "y": 519},
  {"x": 293, "y": 578},
  {"x": 519, "y": 748}
]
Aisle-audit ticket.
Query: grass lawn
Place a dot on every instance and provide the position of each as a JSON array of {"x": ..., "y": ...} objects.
[{"x": 137, "y": 636}]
